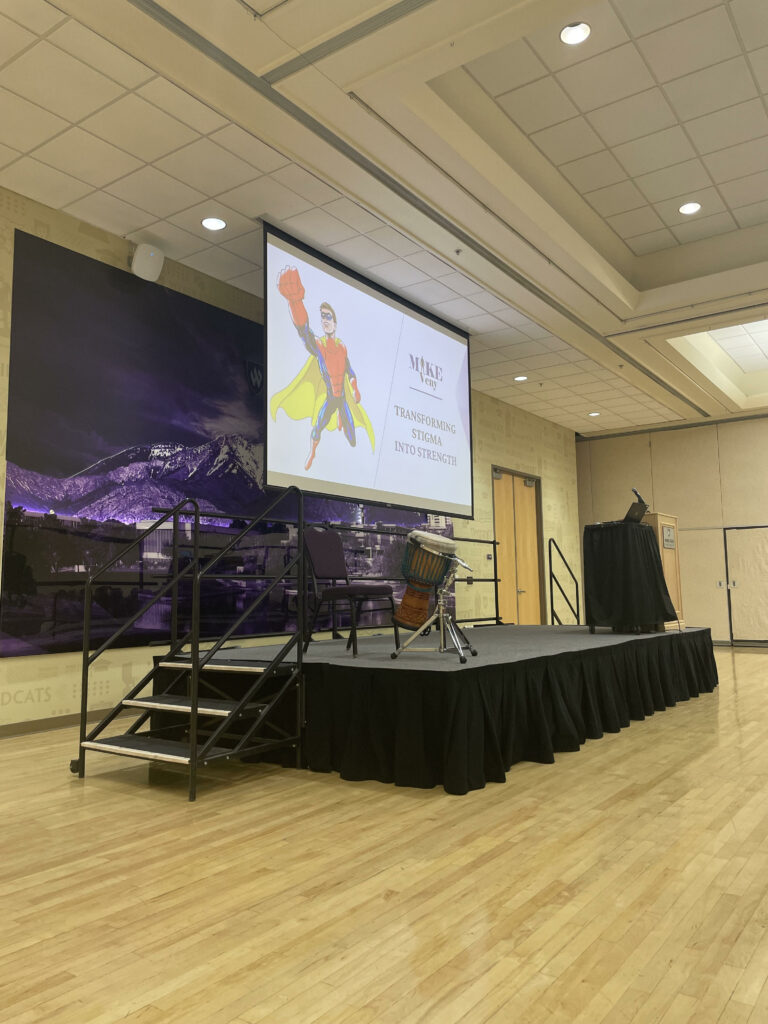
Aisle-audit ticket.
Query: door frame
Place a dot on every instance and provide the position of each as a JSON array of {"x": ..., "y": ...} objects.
[
  {"x": 728, "y": 588},
  {"x": 539, "y": 531}
]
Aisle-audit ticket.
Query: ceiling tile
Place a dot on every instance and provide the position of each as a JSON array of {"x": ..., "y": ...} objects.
[
  {"x": 305, "y": 184},
  {"x": 711, "y": 89},
  {"x": 250, "y": 246},
  {"x": 616, "y": 74},
  {"x": 679, "y": 180},
  {"x": 319, "y": 227},
  {"x": 24, "y": 125},
  {"x": 94, "y": 50},
  {"x": 616, "y": 198},
  {"x": 42, "y": 183},
  {"x": 250, "y": 149},
  {"x": 150, "y": 189},
  {"x": 7, "y": 155},
  {"x": 751, "y": 22},
  {"x": 633, "y": 117},
  {"x": 429, "y": 264},
  {"x": 429, "y": 293},
  {"x": 490, "y": 303},
  {"x": 358, "y": 218},
  {"x": 729, "y": 127},
  {"x": 360, "y": 252},
  {"x": 457, "y": 309},
  {"x": 607, "y": 33},
  {"x": 538, "y": 105},
  {"x": 218, "y": 263},
  {"x": 507, "y": 68},
  {"x": 109, "y": 213},
  {"x": 568, "y": 141},
  {"x": 394, "y": 241},
  {"x": 139, "y": 127},
  {"x": 643, "y": 16},
  {"x": 13, "y": 39},
  {"x": 398, "y": 274},
  {"x": 172, "y": 241},
  {"x": 662, "y": 149},
  {"x": 84, "y": 156},
  {"x": 180, "y": 104},
  {"x": 754, "y": 213},
  {"x": 191, "y": 220},
  {"x": 483, "y": 324},
  {"x": 58, "y": 82},
  {"x": 744, "y": 191},
  {"x": 719, "y": 224},
  {"x": 759, "y": 62},
  {"x": 738, "y": 161},
  {"x": 462, "y": 285},
  {"x": 593, "y": 172},
  {"x": 635, "y": 222},
  {"x": 265, "y": 197},
  {"x": 654, "y": 241},
  {"x": 710, "y": 199},
  {"x": 36, "y": 15},
  {"x": 689, "y": 45},
  {"x": 208, "y": 167}
]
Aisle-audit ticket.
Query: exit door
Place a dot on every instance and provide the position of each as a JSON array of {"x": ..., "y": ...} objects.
[{"x": 516, "y": 518}]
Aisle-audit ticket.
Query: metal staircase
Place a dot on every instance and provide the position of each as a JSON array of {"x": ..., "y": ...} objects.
[{"x": 201, "y": 710}]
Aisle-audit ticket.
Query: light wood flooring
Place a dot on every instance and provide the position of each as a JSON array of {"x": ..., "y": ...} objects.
[{"x": 626, "y": 883}]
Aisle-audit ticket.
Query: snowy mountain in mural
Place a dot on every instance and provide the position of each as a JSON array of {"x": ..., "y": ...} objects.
[{"x": 225, "y": 473}]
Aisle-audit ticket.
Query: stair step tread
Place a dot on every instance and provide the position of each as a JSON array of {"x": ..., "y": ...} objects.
[
  {"x": 150, "y": 748},
  {"x": 214, "y": 666},
  {"x": 181, "y": 703}
]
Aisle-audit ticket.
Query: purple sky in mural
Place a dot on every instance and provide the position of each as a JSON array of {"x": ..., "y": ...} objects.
[{"x": 102, "y": 360}]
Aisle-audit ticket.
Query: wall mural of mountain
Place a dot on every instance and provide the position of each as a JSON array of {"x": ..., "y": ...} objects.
[{"x": 126, "y": 397}]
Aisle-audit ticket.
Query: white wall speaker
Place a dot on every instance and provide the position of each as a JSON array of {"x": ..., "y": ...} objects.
[{"x": 147, "y": 262}]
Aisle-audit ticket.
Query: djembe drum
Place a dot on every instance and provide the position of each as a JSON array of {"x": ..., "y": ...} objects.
[{"x": 426, "y": 560}]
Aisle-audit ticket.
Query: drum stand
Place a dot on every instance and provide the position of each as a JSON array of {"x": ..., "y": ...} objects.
[{"x": 449, "y": 630}]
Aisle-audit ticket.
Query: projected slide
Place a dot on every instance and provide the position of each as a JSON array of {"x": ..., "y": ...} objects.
[{"x": 368, "y": 399}]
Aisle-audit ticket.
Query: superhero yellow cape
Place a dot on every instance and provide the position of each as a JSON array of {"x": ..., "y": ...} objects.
[{"x": 304, "y": 397}]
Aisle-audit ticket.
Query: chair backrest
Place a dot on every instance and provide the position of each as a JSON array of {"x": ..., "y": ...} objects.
[{"x": 326, "y": 553}]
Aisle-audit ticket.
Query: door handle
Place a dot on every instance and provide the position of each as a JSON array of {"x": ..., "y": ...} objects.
[{"x": 521, "y": 591}]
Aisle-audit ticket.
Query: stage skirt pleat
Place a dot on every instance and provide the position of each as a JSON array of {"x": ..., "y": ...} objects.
[{"x": 466, "y": 728}]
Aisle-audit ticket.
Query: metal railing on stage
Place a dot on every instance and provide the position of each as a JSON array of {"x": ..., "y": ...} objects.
[{"x": 555, "y": 582}]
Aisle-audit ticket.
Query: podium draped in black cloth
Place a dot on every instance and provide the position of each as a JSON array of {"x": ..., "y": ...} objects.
[{"x": 624, "y": 582}]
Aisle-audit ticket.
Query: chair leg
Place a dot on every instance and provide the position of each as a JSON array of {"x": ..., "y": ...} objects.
[
  {"x": 311, "y": 628},
  {"x": 353, "y": 627}
]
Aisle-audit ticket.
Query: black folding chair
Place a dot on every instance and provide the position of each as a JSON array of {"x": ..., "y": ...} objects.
[{"x": 329, "y": 584}]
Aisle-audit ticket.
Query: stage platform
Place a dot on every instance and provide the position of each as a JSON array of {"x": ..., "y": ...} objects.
[{"x": 426, "y": 720}]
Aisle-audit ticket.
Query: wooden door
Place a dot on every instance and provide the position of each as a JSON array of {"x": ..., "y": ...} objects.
[{"x": 518, "y": 557}]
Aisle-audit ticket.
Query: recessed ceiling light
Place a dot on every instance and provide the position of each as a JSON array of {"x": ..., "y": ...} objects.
[
  {"x": 521, "y": 378},
  {"x": 213, "y": 223},
  {"x": 594, "y": 414},
  {"x": 575, "y": 33},
  {"x": 689, "y": 208}
]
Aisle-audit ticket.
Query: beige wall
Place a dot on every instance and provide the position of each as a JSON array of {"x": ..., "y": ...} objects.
[
  {"x": 48, "y": 686},
  {"x": 710, "y": 477}
]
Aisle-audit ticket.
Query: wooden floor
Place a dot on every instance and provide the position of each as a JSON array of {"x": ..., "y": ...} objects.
[{"x": 626, "y": 883}]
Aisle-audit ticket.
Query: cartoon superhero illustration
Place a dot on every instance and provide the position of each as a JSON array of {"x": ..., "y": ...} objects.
[{"x": 325, "y": 390}]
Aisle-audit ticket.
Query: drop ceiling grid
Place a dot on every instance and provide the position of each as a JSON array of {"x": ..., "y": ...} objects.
[
  {"x": 111, "y": 142},
  {"x": 686, "y": 116}
]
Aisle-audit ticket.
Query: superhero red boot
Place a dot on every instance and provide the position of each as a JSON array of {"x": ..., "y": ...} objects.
[{"x": 312, "y": 451}]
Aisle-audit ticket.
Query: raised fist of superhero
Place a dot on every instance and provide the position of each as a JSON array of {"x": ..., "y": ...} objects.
[{"x": 290, "y": 287}]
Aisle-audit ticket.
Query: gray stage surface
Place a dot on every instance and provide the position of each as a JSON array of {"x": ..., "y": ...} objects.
[{"x": 495, "y": 645}]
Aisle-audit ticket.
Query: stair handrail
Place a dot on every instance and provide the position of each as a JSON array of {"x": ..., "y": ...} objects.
[
  {"x": 295, "y": 640},
  {"x": 186, "y": 507},
  {"x": 554, "y": 581}
]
